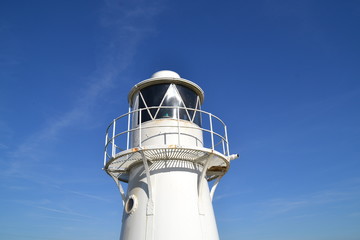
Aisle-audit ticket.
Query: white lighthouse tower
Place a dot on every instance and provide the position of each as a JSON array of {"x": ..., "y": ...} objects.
[{"x": 166, "y": 149}]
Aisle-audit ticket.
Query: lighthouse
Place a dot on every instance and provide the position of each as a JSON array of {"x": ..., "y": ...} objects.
[{"x": 167, "y": 156}]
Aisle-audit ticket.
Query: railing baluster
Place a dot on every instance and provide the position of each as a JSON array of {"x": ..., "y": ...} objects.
[
  {"x": 128, "y": 130},
  {"x": 113, "y": 139},
  {"x": 140, "y": 127},
  {"x": 106, "y": 140},
  {"x": 178, "y": 124},
  {"x": 223, "y": 146},
  {"x": 211, "y": 132},
  {"x": 227, "y": 141}
]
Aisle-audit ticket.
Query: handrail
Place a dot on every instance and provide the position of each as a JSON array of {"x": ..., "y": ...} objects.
[
  {"x": 166, "y": 107},
  {"x": 159, "y": 126},
  {"x": 114, "y": 145}
]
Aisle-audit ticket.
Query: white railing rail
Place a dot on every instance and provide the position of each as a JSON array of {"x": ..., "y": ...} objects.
[{"x": 117, "y": 141}]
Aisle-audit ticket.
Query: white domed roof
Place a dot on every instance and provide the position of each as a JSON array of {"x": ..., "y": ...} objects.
[
  {"x": 166, "y": 76},
  {"x": 165, "y": 73}
]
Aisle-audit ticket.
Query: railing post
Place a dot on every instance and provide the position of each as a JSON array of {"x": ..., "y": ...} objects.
[
  {"x": 223, "y": 145},
  {"x": 211, "y": 132},
  {"x": 106, "y": 141},
  {"x": 128, "y": 130},
  {"x": 140, "y": 127},
  {"x": 178, "y": 125},
  {"x": 113, "y": 139},
  {"x": 227, "y": 141}
]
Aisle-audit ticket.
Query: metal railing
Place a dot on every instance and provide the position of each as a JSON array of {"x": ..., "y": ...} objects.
[{"x": 117, "y": 139}]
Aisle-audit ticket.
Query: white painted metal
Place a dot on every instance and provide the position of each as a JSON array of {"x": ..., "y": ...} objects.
[
  {"x": 170, "y": 132},
  {"x": 176, "y": 215},
  {"x": 113, "y": 143},
  {"x": 128, "y": 133},
  {"x": 167, "y": 163},
  {"x": 165, "y": 79},
  {"x": 165, "y": 73}
]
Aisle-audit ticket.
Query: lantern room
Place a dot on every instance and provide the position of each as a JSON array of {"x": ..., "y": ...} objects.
[{"x": 166, "y": 96}]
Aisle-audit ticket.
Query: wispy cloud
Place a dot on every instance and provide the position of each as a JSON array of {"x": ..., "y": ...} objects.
[
  {"x": 49, "y": 186},
  {"x": 65, "y": 212},
  {"x": 274, "y": 207},
  {"x": 5, "y": 133},
  {"x": 28, "y": 163},
  {"x": 127, "y": 25},
  {"x": 59, "y": 209},
  {"x": 72, "y": 219},
  {"x": 227, "y": 195},
  {"x": 309, "y": 205},
  {"x": 82, "y": 194},
  {"x": 3, "y": 146}
]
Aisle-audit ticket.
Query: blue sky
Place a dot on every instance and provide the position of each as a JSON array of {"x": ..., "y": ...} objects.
[{"x": 283, "y": 75}]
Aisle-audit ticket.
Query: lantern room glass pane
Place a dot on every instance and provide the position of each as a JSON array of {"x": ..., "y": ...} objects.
[
  {"x": 152, "y": 96},
  {"x": 175, "y": 96},
  {"x": 171, "y": 100},
  {"x": 190, "y": 98}
]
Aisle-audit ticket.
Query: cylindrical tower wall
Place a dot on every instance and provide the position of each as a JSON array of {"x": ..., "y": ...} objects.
[
  {"x": 165, "y": 132},
  {"x": 179, "y": 212}
]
